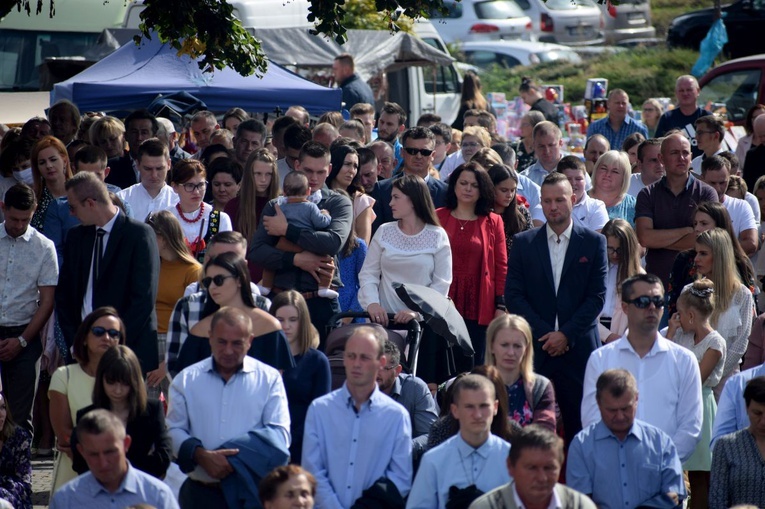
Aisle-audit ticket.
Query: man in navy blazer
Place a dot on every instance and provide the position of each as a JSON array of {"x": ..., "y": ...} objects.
[
  {"x": 556, "y": 280},
  {"x": 128, "y": 272},
  {"x": 419, "y": 145}
]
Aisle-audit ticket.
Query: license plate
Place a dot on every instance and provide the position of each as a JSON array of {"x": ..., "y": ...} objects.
[
  {"x": 635, "y": 16},
  {"x": 580, "y": 31}
]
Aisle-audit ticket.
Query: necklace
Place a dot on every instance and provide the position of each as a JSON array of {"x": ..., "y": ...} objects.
[{"x": 183, "y": 217}]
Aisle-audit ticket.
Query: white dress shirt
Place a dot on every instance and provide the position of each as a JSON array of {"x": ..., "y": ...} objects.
[
  {"x": 87, "y": 300},
  {"x": 669, "y": 385},
  {"x": 558, "y": 246},
  {"x": 141, "y": 203}
]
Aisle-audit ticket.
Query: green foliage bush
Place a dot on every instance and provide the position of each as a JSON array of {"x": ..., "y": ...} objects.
[{"x": 642, "y": 72}]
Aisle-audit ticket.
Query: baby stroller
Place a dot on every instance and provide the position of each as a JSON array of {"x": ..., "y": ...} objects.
[{"x": 338, "y": 334}]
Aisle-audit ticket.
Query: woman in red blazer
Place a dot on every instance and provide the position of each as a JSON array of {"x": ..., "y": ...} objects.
[{"x": 479, "y": 254}]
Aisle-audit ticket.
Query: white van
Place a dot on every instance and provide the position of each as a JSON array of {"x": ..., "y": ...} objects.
[{"x": 26, "y": 41}]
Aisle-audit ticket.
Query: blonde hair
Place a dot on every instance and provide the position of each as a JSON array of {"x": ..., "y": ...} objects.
[
  {"x": 618, "y": 158},
  {"x": 167, "y": 226},
  {"x": 724, "y": 272},
  {"x": 517, "y": 323},
  {"x": 479, "y": 132},
  {"x": 486, "y": 157}
]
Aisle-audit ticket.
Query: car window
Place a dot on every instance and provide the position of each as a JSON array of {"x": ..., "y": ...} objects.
[
  {"x": 446, "y": 79},
  {"x": 498, "y": 9},
  {"x": 524, "y": 4},
  {"x": 566, "y": 5},
  {"x": 737, "y": 90},
  {"x": 482, "y": 58},
  {"x": 455, "y": 11}
]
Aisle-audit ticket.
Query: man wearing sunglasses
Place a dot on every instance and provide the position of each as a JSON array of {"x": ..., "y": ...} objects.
[
  {"x": 667, "y": 374},
  {"x": 419, "y": 145},
  {"x": 109, "y": 260}
]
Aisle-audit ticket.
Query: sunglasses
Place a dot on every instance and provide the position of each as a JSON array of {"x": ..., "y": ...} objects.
[
  {"x": 100, "y": 331},
  {"x": 217, "y": 280},
  {"x": 425, "y": 152},
  {"x": 644, "y": 301}
]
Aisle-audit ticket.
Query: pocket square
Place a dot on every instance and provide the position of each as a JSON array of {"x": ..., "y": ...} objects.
[{"x": 583, "y": 259}]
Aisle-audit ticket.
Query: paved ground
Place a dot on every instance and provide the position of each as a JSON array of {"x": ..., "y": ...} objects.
[{"x": 42, "y": 477}]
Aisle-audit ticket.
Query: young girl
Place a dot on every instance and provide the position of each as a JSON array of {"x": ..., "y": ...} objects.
[{"x": 690, "y": 327}]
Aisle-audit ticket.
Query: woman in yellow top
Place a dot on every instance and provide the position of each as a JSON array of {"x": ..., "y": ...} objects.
[{"x": 178, "y": 269}]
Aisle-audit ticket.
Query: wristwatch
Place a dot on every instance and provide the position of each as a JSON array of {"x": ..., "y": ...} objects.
[{"x": 22, "y": 341}]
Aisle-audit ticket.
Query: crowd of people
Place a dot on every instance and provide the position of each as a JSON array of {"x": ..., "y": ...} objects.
[{"x": 168, "y": 292}]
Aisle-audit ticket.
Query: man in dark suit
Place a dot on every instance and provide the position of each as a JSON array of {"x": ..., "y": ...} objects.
[
  {"x": 556, "y": 280},
  {"x": 419, "y": 146},
  {"x": 125, "y": 276}
]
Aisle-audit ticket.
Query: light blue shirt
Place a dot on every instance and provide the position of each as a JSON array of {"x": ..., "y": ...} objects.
[
  {"x": 456, "y": 463},
  {"x": 616, "y": 138},
  {"x": 731, "y": 409},
  {"x": 136, "y": 488},
  {"x": 348, "y": 451},
  {"x": 536, "y": 173},
  {"x": 530, "y": 190},
  {"x": 624, "y": 475},
  {"x": 205, "y": 407}
]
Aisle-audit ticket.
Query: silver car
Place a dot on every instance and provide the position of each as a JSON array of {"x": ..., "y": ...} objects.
[
  {"x": 568, "y": 22},
  {"x": 480, "y": 20},
  {"x": 630, "y": 19}
]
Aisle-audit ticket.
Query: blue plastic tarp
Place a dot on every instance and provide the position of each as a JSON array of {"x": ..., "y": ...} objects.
[{"x": 133, "y": 76}]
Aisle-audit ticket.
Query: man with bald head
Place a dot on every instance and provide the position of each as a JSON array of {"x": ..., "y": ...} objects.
[
  {"x": 664, "y": 210},
  {"x": 595, "y": 146},
  {"x": 686, "y": 112},
  {"x": 754, "y": 165}
]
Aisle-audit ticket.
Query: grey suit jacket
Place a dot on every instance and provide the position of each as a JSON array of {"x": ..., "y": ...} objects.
[{"x": 502, "y": 498}]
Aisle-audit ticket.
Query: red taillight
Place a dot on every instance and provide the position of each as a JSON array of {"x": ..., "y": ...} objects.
[
  {"x": 483, "y": 28},
  {"x": 546, "y": 23},
  {"x": 529, "y": 26}
]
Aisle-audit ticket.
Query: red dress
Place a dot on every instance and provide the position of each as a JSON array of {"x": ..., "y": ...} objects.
[{"x": 467, "y": 255}]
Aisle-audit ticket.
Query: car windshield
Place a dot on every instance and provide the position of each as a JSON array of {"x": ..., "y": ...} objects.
[
  {"x": 498, "y": 9},
  {"x": 565, "y": 5}
]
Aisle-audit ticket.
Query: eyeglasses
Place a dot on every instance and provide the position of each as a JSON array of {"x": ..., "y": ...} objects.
[
  {"x": 644, "y": 301},
  {"x": 425, "y": 152},
  {"x": 100, "y": 331},
  {"x": 389, "y": 368},
  {"x": 614, "y": 250},
  {"x": 190, "y": 188},
  {"x": 217, "y": 280},
  {"x": 650, "y": 109},
  {"x": 470, "y": 144}
]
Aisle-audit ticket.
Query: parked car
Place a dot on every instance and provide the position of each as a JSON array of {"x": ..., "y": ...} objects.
[
  {"x": 743, "y": 20},
  {"x": 470, "y": 20},
  {"x": 565, "y": 21},
  {"x": 737, "y": 84},
  {"x": 627, "y": 20},
  {"x": 484, "y": 54}
]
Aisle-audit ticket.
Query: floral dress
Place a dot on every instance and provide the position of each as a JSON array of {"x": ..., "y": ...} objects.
[{"x": 16, "y": 470}]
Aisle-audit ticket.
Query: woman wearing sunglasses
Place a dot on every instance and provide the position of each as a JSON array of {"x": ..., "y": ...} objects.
[
  {"x": 734, "y": 304},
  {"x": 345, "y": 176},
  {"x": 198, "y": 220},
  {"x": 177, "y": 270},
  {"x": 119, "y": 388},
  {"x": 228, "y": 284},
  {"x": 479, "y": 254},
  {"x": 71, "y": 387}
]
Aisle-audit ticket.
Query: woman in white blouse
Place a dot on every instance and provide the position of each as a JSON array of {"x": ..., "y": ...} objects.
[
  {"x": 412, "y": 249},
  {"x": 734, "y": 309}
]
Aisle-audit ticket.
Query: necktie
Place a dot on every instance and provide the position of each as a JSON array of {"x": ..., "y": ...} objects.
[{"x": 98, "y": 253}]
